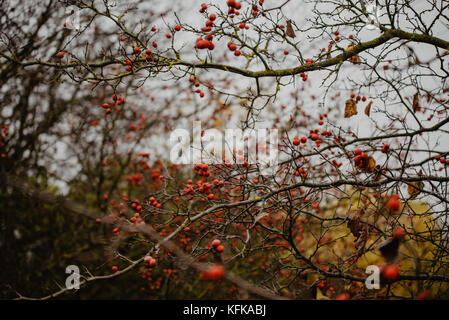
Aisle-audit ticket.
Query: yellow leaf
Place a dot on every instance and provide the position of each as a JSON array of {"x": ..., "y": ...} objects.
[{"x": 320, "y": 295}]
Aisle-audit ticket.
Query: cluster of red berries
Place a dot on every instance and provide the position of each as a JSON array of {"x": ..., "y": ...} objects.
[
  {"x": 153, "y": 202},
  {"x": 136, "y": 206},
  {"x": 232, "y": 47},
  {"x": 149, "y": 261},
  {"x": 217, "y": 245},
  {"x": 116, "y": 101},
  {"x": 322, "y": 116},
  {"x": 358, "y": 97},
  {"x": 203, "y": 8},
  {"x": 205, "y": 43},
  {"x": 205, "y": 188},
  {"x": 255, "y": 9},
  {"x": 314, "y": 135},
  {"x": 442, "y": 159},
  {"x": 2, "y": 136},
  {"x": 202, "y": 187},
  {"x": 361, "y": 158},
  {"x": 233, "y": 5},
  {"x": 296, "y": 140},
  {"x": 337, "y": 37},
  {"x": 336, "y": 163},
  {"x": 301, "y": 172},
  {"x": 196, "y": 84},
  {"x": 135, "y": 179},
  {"x": 303, "y": 76},
  {"x": 203, "y": 169},
  {"x": 385, "y": 148}
]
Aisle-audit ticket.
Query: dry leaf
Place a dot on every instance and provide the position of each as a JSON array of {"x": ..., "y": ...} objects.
[
  {"x": 355, "y": 58},
  {"x": 329, "y": 48},
  {"x": 370, "y": 165},
  {"x": 415, "y": 104},
  {"x": 290, "y": 31},
  {"x": 368, "y": 108},
  {"x": 320, "y": 295},
  {"x": 355, "y": 225},
  {"x": 360, "y": 230},
  {"x": 361, "y": 241},
  {"x": 350, "y": 108},
  {"x": 414, "y": 189}
]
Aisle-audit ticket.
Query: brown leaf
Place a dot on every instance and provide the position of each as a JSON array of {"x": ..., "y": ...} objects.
[
  {"x": 355, "y": 58},
  {"x": 368, "y": 108},
  {"x": 360, "y": 230},
  {"x": 414, "y": 189},
  {"x": 290, "y": 31},
  {"x": 329, "y": 48},
  {"x": 370, "y": 164},
  {"x": 415, "y": 104},
  {"x": 355, "y": 225},
  {"x": 350, "y": 108},
  {"x": 361, "y": 241}
]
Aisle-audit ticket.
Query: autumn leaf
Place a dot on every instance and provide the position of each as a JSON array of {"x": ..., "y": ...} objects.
[
  {"x": 415, "y": 104},
  {"x": 355, "y": 58},
  {"x": 370, "y": 164},
  {"x": 360, "y": 230},
  {"x": 350, "y": 108},
  {"x": 290, "y": 31},
  {"x": 355, "y": 225},
  {"x": 368, "y": 108},
  {"x": 414, "y": 189},
  {"x": 329, "y": 48},
  {"x": 361, "y": 241},
  {"x": 320, "y": 295}
]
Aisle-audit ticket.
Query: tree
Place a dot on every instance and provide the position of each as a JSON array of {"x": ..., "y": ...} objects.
[{"x": 92, "y": 91}]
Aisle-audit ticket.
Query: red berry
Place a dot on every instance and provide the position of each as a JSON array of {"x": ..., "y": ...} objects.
[
  {"x": 60, "y": 55},
  {"x": 177, "y": 27},
  {"x": 342, "y": 296},
  {"x": 424, "y": 295},
  {"x": 393, "y": 203},
  {"x": 213, "y": 272},
  {"x": 399, "y": 233},
  {"x": 216, "y": 243},
  {"x": 296, "y": 141},
  {"x": 390, "y": 272}
]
